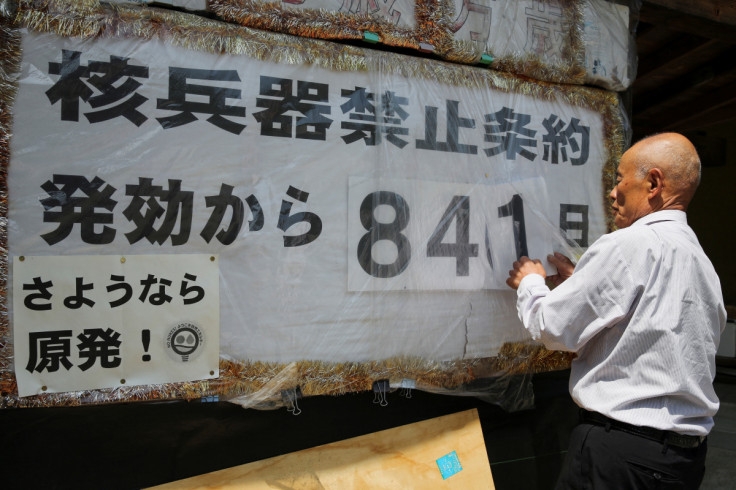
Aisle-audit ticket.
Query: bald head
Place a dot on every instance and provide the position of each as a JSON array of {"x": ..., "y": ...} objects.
[
  {"x": 678, "y": 160},
  {"x": 658, "y": 173}
]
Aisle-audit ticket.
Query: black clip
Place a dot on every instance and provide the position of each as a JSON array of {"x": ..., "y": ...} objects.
[
  {"x": 290, "y": 397},
  {"x": 406, "y": 386},
  {"x": 380, "y": 389}
]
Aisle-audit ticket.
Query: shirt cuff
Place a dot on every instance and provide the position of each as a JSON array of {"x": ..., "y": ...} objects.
[{"x": 531, "y": 280}]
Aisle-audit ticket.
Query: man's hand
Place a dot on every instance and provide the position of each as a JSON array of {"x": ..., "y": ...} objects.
[
  {"x": 522, "y": 268},
  {"x": 564, "y": 266}
]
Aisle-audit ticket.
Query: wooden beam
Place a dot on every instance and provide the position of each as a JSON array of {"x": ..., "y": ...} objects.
[
  {"x": 720, "y": 11},
  {"x": 674, "y": 16},
  {"x": 648, "y": 41},
  {"x": 714, "y": 108},
  {"x": 723, "y": 112},
  {"x": 716, "y": 73},
  {"x": 683, "y": 51},
  {"x": 676, "y": 61}
]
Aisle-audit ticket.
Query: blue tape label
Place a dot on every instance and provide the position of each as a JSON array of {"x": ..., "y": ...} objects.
[{"x": 449, "y": 465}]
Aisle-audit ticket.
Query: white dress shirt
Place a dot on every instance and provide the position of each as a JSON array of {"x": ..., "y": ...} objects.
[{"x": 644, "y": 313}]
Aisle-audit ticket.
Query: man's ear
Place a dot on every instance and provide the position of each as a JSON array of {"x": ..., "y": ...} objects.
[{"x": 655, "y": 180}]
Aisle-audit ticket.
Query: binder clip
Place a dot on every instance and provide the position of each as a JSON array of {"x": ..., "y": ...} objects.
[
  {"x": 380, "y": 389},
  {"x": 290, "y": 397},
  {"x": 406, "y": 386},
  {"x": 426, "y": 48}
]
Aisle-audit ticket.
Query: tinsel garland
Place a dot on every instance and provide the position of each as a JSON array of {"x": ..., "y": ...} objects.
[{"x": 434, "y": 27}]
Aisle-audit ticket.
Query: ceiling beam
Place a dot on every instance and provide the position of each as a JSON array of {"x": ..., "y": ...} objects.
[
  {"x": 680, "y": 52},
  {"x": 705, "y": 111},
  {"x": 716, "y": 107},
  {"x": 724, "y": 115},
  {"x": 717, "y": 72},
  {"x": 714, "y": 18},
  {"x": 719, "y": 11},
  {"x": 676, "y": 61}
]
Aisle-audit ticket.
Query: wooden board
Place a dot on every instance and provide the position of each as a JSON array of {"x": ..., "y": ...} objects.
[{"x": 402, "y": 457}]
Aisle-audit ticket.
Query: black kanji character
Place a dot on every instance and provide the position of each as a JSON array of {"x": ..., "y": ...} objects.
[
  {"x": 373, "y": 123},
  {"x": 311, "y": 101},
  {"x": 186, "y": 289},
  {"x": 454, "y": 123},
  {"x": 158, "y": 298},
  {"x": 287, "y": 220},
  {"x": 78, "y": 300},
  {"x": 127, "y": 290},
  {"x": 49, "y": 350},
  {"x": 508, "y": 129},
  {"x": 177, "y": 200},
  {"x": 82, "y": 210},
  {"x": 567, "y": 223},
  {"x": 361, "y": 108},
  {"x": 70, "y": 87},
  {"x": 43, "y": 294},
  {"x": 113, "y": 92},
  {"x": 390, "y": 109},
  {"x": 558, "y": 138},
  {"x": 217, "y": 98},
  {"x": 95, "y": 343}
]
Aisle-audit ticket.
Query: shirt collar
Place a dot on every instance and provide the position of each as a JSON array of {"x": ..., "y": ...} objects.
[{"x": 665, "y": 215}]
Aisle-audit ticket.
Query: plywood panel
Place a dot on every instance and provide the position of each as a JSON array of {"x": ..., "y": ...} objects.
[{"x": 401, "y": 458}]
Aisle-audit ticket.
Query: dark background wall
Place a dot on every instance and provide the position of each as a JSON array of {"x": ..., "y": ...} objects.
[
  {"x": 128, "y": 446},
  {"x": 712, "y": 214}
]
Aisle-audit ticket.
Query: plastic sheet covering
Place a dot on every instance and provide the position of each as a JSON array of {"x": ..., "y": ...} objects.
[
  {"x": 191, "y": 5},
  {"x": 561, "y": 41},
  {"x": 361, "y": 209}
]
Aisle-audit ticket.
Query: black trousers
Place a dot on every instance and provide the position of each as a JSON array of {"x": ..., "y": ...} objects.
[{"x": 602, "y": 457}]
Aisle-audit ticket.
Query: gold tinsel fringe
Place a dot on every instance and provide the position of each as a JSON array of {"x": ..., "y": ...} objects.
[
  {"x": 433, "y": 26},
  {"x": 91, "y": 19},
  {"x": 432, "y": 19},
  {"x": 10, "y": 57},
  {"x": 313, "y": 378}
]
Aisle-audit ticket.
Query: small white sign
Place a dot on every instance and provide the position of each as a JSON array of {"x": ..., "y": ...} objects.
[{"x": 103, "y": 321}]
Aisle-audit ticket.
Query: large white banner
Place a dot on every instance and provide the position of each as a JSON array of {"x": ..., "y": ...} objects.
[{"x": 357, "y": 215}]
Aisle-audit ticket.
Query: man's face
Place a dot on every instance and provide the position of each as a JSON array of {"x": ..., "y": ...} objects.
[{"x": 630, "y": 195}]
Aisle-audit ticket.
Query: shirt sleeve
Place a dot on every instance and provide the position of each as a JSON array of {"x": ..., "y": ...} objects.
[{"x": 600, "y": 293}]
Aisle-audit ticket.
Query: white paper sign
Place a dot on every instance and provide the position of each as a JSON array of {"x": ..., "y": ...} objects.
[
  {"x": 97, "y": 321},
  {"x": 423, "y": 235}
]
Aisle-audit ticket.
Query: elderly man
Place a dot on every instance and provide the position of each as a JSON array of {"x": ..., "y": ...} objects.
[{"x": 643, "y": 310}]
